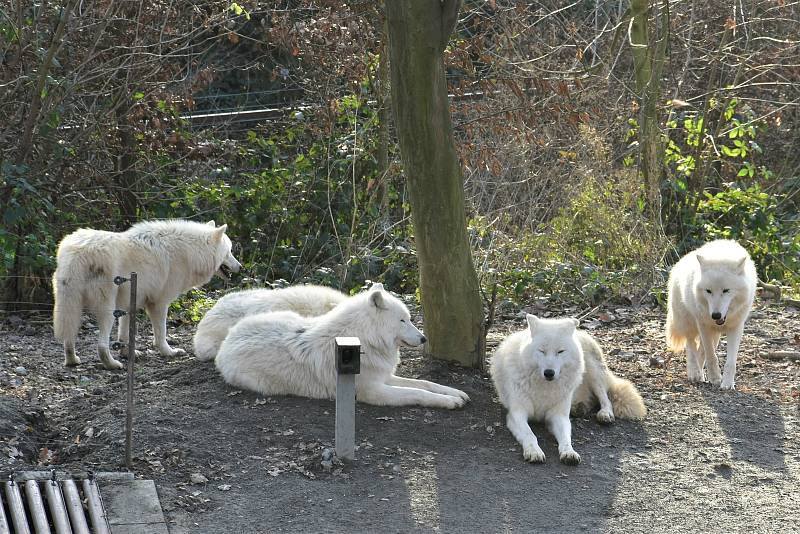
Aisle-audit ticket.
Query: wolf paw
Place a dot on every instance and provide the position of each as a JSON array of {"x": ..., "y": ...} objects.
[
  {"x": 71, "y": 361},
  {"x": 727, "y": 384},
  {"x": 570, "y": 457},
  {"x": 112, "y": 364},
  {"x": 696, "y": 377},
  {"x": 169, "y": 352},
  {"x": 452, "y": 402},
  {"x": 460, "y": 394},
  {"x": 533, "y": 454},
  {"x": 605, "y": 416}
]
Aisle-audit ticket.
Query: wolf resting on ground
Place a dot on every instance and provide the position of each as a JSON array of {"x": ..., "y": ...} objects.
[
  {"x": 169, "y": 258},
  {"x": 307, "y": 300},
  {"x": 545, "y": 371},
  {"x": 711, "y": 291},
  {"x": 283, "y": 353}
]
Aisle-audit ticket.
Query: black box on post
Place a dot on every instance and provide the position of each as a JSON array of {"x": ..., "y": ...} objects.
[{"x": 348, "y": 355}]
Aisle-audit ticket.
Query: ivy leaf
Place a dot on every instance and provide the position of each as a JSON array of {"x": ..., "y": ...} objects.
[{"x": 730, "y": 152}]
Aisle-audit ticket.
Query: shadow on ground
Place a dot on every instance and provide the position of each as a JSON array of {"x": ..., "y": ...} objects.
[{"x": 754, "y": 427}]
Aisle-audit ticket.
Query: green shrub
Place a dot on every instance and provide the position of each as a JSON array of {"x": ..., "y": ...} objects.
[
  {"x": 599, "y": 247},
  {"x": 752, "y": 217}
]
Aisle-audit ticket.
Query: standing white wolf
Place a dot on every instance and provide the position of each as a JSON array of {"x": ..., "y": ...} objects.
[
  {"x": 169, "y": 258},
  {"x": 308, "y": 300},
  {"x": 545, "y": 371},
  {"x": 283, "y": 353},
  {"x": 711, "y": 291}
]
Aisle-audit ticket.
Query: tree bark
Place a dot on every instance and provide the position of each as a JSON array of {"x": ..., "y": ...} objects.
[
  {"x": 125, "y": 163},
  {"x": 418, "y": 33},
  {"x": 648, "y": 61}
]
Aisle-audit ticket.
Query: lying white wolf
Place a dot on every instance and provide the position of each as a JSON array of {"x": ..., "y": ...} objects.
[
  {"x": 711, "y": 291},
  {"x": 169, "y": 258},
  {"x": 308, "y": 300},
  {"x": 283, "y": 353},
  {"x": 541, "y": 373}
]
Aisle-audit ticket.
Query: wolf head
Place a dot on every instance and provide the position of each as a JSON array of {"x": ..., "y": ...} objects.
[
  {"x": 553, "y": 348},
  {"x": 721, "y": 283},
  {"x": 221, "y": 244},
  {"x": 389, "y": 319}
]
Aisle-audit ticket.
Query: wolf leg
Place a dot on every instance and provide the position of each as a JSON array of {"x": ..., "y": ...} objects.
[
  {"x": 389, "y": 395},
  {"x": 427, "y": 386},
  {"x": 708, "y": 353},
  {"x": 517, "y": 423},
  {"x": 606, "y": 413},
  {"x": 123, "y": 329},
  {"x": 561, "y": 428},
  {"x": 694, "y": 361},
  {"x": 105, "y": 321},
  {"x": 158, "y": 317},
  {"x": 70, "y": 358},
  {"x": 734, "y": 338}
]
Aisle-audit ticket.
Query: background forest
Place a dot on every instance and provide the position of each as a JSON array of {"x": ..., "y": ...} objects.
[{"x": 599, "y": 140}]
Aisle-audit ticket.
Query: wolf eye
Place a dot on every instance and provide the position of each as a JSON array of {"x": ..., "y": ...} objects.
[
  {"x": 708, "y": 291},
  {"x": 560, "y": 352},
  {"x": 725, "y": 290},
  {"x": 402, "y": 320}
]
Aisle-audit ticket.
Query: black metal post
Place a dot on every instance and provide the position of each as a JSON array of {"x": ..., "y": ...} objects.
[{"x": 131, "y": 362}]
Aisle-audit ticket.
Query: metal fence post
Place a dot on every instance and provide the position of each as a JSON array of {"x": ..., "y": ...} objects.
[
  {"x": 348, "y": 365},
  {"x": 131, "y": 362}
]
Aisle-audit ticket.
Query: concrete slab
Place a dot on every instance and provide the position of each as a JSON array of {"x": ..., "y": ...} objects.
[
  {"x": 132, "y": 507},
  {"x": 144, "y": 528}
]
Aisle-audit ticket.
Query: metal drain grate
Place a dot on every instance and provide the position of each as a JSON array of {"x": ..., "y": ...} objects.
[{"x": 36, "y": 506}]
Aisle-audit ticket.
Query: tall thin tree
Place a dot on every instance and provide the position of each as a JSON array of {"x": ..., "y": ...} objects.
[{"x": 419, "y": 31}]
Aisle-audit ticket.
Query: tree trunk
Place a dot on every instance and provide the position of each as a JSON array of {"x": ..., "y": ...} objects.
[
  {"x": 125, "y": 163},
  {"x": 418, "y": 33},
  {"x": 383, "y": 102},
  {"x": 648, "y": 62}
]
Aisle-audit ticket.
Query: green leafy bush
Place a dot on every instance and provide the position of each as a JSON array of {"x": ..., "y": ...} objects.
[
  {"x": 752, "y": 217},
  {"x": 599, "y": 247}
]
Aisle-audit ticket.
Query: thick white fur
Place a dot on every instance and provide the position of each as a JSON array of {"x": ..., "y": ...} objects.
[
  {"x": 580, "y": 377},
  {"x": 283, "y": 353},
  {"x": 169, "y": 258},
  {"x": 308, "y": 300},
  {"x": 718, "y": 277}
]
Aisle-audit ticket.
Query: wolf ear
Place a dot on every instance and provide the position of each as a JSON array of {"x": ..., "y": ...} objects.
[
  {"x": 701, "y": 260},
  {"x": 376, "y": 299},
  {"x": 532, "y": 321},
  {"x": 377, "y": 286},
  {"x": 575, "y": 322},
  {"x": 217, "y": 233},
  {"x": 740, "y": 264},
  {"x": 211, "y": 223}
]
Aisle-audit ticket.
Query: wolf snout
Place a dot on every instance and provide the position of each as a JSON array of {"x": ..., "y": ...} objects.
[
  {"x": 236, "y": 267},
  {"x": 422, "y": 339},
  {"x": 718, "y": 318},
  {"x": 549, "y": 374}
]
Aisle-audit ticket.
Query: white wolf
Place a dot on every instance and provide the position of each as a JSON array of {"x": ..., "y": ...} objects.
[
  {"x": 169, "y": 258},
  {"x": 711, "y": 291},
  {"x": 543, "y": 372},
  {"x": 309, "y": 300},
  {"x": 283, "y": 353}
]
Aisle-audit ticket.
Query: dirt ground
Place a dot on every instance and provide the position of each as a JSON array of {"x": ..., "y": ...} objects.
[{"x": 225, "y": 460}]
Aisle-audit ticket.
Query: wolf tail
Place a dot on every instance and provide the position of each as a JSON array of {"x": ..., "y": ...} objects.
[
  {"x": 675, "y": 342},
  {"x": 67, "y": 308},
  {"x": 206, "y": 344},
  {"x": 626, "y": 400}
]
